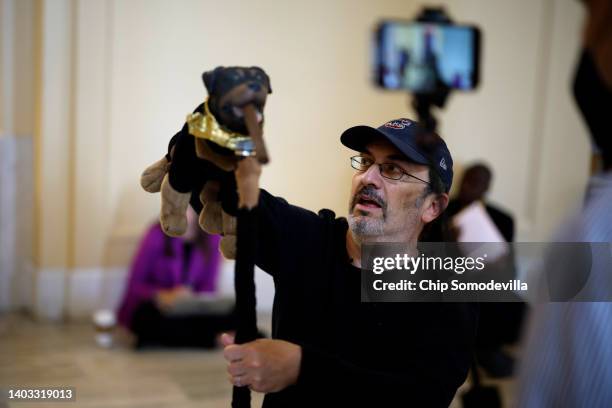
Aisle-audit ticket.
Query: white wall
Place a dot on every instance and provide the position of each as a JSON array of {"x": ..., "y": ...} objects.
[
  {"x": 522, "y": 121},
  {"x": 114, "y": 80},
  {"x": 317, "y": 56}
]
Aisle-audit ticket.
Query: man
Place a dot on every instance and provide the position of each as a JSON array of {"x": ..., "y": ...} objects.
[{"x": 328, "y": 348}]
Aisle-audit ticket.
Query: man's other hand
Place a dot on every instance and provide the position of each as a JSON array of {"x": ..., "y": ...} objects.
[{"x": 264, "y": 365}]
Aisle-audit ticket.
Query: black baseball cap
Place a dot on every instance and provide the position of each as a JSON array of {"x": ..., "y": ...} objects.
[{"x": 403, "y": 134}]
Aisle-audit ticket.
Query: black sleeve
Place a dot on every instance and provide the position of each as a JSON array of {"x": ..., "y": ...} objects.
[{"x": 281, "y": 228}]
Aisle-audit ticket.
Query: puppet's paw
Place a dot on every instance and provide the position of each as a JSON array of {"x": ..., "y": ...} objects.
[
  {"x": 173, "y": 216},
  {"x": 151, "y": 178},
  {"x": 210, "y": 191},
  {"x": 230, "y": 224},
  {"x": 227, "y": 245},
  {"x": 211, "y": 219}
]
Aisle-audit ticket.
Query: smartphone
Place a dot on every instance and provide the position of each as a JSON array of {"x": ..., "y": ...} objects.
[{"x": 414, "y": 55}]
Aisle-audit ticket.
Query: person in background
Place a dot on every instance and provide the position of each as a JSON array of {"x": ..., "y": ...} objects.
[
  {"x": 567, "y": 360},
  {"x": 500, "y": 323},
  {"x": 164, "y": 272},
  {"x": 474, "y": 187}
]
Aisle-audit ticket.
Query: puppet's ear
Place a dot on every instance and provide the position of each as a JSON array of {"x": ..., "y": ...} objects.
[{"x": 209, "y": 78}]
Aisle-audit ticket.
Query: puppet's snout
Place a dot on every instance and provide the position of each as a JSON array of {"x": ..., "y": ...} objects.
[{"x": 239, "y": 113}]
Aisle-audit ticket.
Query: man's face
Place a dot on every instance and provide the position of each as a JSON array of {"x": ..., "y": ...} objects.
[{"x": 381, "y": 209}]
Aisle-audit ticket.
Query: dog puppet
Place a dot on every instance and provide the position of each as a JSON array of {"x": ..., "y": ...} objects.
[{"x": 198, "y": 168}]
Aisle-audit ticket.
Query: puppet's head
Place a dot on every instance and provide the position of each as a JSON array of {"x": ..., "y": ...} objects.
[{"x": 232, "y": 88}]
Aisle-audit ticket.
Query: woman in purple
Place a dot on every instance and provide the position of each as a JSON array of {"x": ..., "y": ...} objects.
[{"x": 165, "y": 274}]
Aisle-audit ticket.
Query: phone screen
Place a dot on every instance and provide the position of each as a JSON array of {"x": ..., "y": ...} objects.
[{"x": 411, "y": 55}]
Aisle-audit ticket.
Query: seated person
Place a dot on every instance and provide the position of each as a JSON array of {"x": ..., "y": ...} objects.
[{"x": 167, "y": 275}]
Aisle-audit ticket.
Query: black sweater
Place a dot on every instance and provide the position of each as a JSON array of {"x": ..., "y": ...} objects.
[{"x": 353, "y": 353}]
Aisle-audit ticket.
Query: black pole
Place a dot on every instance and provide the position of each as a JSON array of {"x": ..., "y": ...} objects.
[
  {"x": 244, "y": 282},
  {"x": 423, "y": 102}
]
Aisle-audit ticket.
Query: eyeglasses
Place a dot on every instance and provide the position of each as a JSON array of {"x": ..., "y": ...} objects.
[{"x": 387, "y": 170}]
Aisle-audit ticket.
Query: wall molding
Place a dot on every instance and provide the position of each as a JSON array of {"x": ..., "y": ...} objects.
[
  {"x": 16, "y": 197},
  {"x": 75, "y": 294},
  {"x": 8, "y": 222},
  {"x": 90, "y": 289},
  {"x": 48, "y": 294}
]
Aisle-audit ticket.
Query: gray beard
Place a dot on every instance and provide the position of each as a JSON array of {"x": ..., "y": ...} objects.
[{"x": 364, "y": 230}]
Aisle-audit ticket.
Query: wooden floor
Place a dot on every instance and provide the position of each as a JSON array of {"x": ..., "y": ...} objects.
[{"x": 34, "y": 354}]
